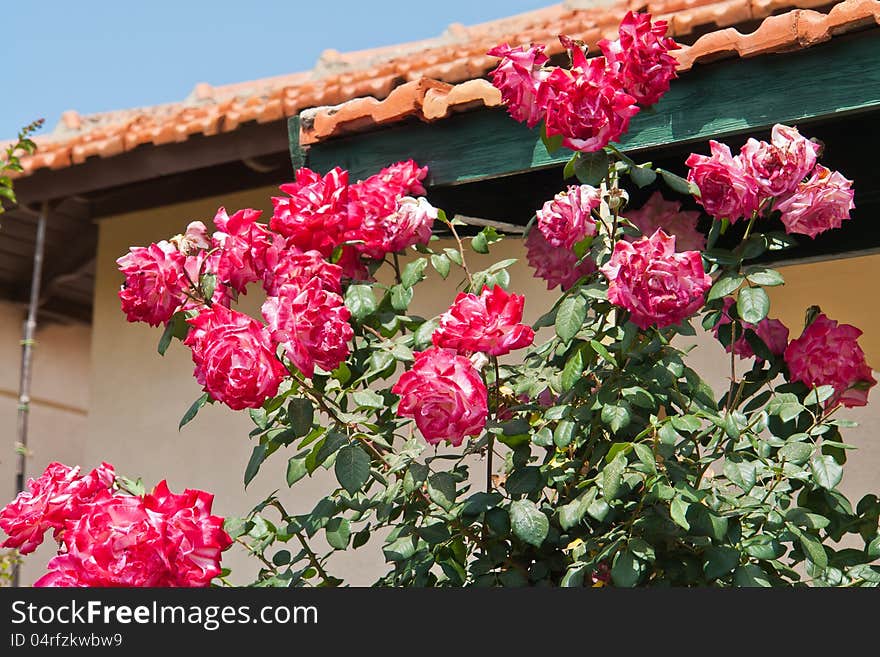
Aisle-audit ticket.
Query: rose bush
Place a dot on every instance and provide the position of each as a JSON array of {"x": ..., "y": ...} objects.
[{"x": 583, "y": 450}]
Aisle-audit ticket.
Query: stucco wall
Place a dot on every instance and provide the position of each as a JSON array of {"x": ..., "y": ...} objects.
[
  {"x": 137, "y": 397},
  {"x": 60, "y": 399}
]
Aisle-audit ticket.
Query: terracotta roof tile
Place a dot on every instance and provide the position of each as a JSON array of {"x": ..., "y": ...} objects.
[{"x": 433, "y": 78}]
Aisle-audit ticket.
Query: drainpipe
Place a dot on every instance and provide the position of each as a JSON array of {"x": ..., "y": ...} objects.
[{"x": 27, "y": 350}]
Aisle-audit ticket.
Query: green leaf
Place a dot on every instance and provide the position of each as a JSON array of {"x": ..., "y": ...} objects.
[
  {"x": 803, "y": 518},
  {"x": 368, "y": 399},
  {"x": 764, "y": 547},
  {"x": 572, "y": 371},
  {"x": 296, "y": 470},
  {"x": 422, "y": 337},
  {"x": 600, "y": 349},
  {"x": 873, "y": 548},
  {"x": 523, "y": 481},
  {"x": 192, "y": 410},
  {"x": 725, "y": 285},
  {"x": 627, "y": 569},
  {"x": 479, "y": 243},
  {"x": 441, "y": 264},
  {"x": 568, "y": 171},
  {"x": 751, "y": 575},
  {"x": 752, "y": 304},
  {"x": 612, "y": 477},
  {"x": 236, "y": 527},
  {"x": 719, "y": 561},
  {"x": 642, "y": 175},
  {"x": 765, "y": 277},
  {"x": 572, "y": 513},
  {"x": 564, "y": 433},
  {"x": 616, "y": 417},
  {"x": 570, "y": 317},
  {"x": 253, "y": 467},
  {"x": 360, "y": 301},
  {"x": 338, "y": 531},
  {"x": 529, "y": 524},
  {"x": 352, "y": 468},
  {"x": 826, "y": 471},
  {"x": 591, "y": 168},
  {"x": 742, "y": 473},
  {"x": 301, "y": 415},
  {"x": 796, "y": 453},
  {"x": 812, "y": 547},
  {"x": 441, "y": 489},
  {"x": 208, "y": 283},
  {"x": 678, "y": 512},
  {"x": 552, "y": 144},
  {"x": 177, "y": 327},
  {"x": 414, "y": 272},
  {"x": 679, "y": 184},
  {"x": 400, "y": 297}
]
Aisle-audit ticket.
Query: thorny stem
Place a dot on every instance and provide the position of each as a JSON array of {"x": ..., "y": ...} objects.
[
  {"x": 255, "y": 553},
  {"x": 461, "y": 252},
  {"x": 313, "y": 558},
  {"x": 396, "y": 264},
  {"x": 732, "y": 366},
  {"x": 491, "y": 449},
  {"x": 749, "y": 227}
]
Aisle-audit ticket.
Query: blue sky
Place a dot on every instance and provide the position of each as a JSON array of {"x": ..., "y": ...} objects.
[{"x": 98, "y": 55}]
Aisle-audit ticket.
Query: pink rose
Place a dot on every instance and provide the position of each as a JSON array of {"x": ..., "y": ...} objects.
[
  {"x": 194, "y": 239},
  {"x": 586, "y": 105},
  {"x": 315, "y": 216},
  {"x": 54, "y": 498},
  {"x": 565, "y": 219},
  {"x": 154, "y": 283},
  {"x": 829, "y": 354},
  {"x": 772, "y": 332},
  {"x": 726, "y": 189},
  {"x": 821, "y": 203},
  {"x": 657, "y": 212},
  {"x": 158, "y": 540},
  {"x": 242, "y": 243},
  {"x": 640, "y": 57},
  {"x": 657, "y": 285},
  {"x": 557, "y": 266},
  {"x": 489, "y": 323},
  {"x": 779, "y": 166},
  {"x": 519, "y": 76},
  {"x": 194, "y": 537},
  {"x": 311, "y": 324},
  {"x": 400, "y": 179},
  {"x": 445, "y": 396},
  {"x": 410, "y": 223},
  {"x": 234, "y": 357},
  {"x": 287, "y": 265}
]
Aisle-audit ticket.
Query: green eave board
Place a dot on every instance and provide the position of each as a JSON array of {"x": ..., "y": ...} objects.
[{"x": 733, "y": 96}]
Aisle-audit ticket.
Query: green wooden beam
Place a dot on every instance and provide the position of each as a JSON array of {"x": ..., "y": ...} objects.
[
  {"x": 734, "y": 96},
  {"x": 297, "y": 154}
]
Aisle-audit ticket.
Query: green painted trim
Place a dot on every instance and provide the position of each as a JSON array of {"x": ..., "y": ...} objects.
[
  {"x": 839, "y": 78},
  {"x": 297, "y": 154}
]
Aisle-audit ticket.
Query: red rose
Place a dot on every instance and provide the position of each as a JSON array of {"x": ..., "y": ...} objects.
[
  {"x": 234, "y": 357},
  {"x": 54, "y": 498},
  {"x": 828, "y": 353},
  {"x": 640, "y": 57},
  {"x": 726, "y": 189},
  {"x": 311, "y": 324},
  {"x": 445, "y": 396},
  {"x": 489, "y": 323},
  {"x": 657, "y": 285},
  {"x": 154, "y": 283}
]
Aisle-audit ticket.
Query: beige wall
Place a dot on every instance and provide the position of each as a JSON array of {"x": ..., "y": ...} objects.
[
  {"x": 138, "y": 397},
  {"x": 60, "y": 399}
]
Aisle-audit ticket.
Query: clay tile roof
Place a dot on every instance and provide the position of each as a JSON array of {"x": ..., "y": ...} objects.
[{"x": 431, "y": 79}]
